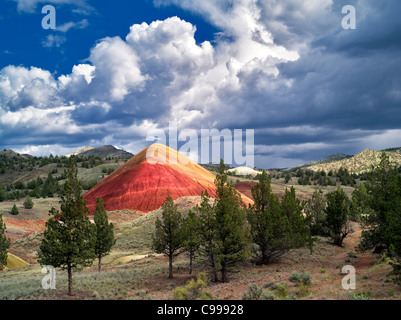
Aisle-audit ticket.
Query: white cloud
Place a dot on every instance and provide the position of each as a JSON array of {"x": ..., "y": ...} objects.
[
  {"x": 73, "y": 25},
  {"x": 117, "y": 69},
  {"x": 21, "y": 87},
  {"x": 267, "y": 69},
  {"x": 53, "y": 41},
  {"x": 30, "y": 5}
]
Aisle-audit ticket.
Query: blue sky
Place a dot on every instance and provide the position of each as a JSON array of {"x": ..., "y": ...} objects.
[{"x": 112, "y": 71}]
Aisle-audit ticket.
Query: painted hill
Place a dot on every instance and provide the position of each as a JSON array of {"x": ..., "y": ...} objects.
[
  {"x": 144, "y": 182},
  {"x": 14, "y": 262},
  {"x": 107, "y": 151},
  {"x": 360, "y": 163}
]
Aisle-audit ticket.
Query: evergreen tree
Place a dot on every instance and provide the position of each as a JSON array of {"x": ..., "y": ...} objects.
[
  {"x": 384, "y": 217},
  {"x": 292, "y": 208},
  {"x": 269, "y": 226},
  {"x": 4, "y": 244},
  {"x": 104, "y": 232},
  {"x": 207, "y": 231},
  {"x": 191, "y": 236},
  {"x": 28, "y": 203},
  {"x": 360, "y": 204},
  {"x": 384, "y": 202},
  {"x": 314, "y": 210},
  {"x": 14, "y": 210},
  {"x": 69, "y": 238},
  {"x": 168, "y": 236},
  {"x": 232, "y": 234},
  {"x": 2, "y": 193},
  {"x": 337, "y": 215}
]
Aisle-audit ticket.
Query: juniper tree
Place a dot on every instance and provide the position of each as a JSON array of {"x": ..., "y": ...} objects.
[
  {"x": 383, "y": 220},
  {"x": 69, "y": 238},
  {"x": 104, "y": 232},
  {"x": 384, "y": 193},
  {"x": 4, "y": 244},
  {"x": 28, "y": 203},
  {"x": 14, "y": 210},
  {"x": 293, "y": 209},
  {"x": 360, "y": 204},
  {"x": 207, "y": 231},
  {"x": 337, "y": 215},
  {"x": 269, "y": 227},
  {"x": 2, "y": 193},
  {"x": 231, "y": 234},
  {"x": 315, "y": 213},
  {"x": 191, "y": 236},
  {"x": 168, "y": 236}
]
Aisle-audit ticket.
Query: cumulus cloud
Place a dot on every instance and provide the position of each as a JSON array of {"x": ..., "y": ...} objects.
[{"x": 284, "y": 68}]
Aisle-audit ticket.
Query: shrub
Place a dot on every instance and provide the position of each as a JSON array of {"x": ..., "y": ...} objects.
[
  {"x": 359, "y": 296},
  {"x": 303, "y": 290},
  {"x": 14, "y": 210},
  {"x": 300, "y": 278},
  {"x": 282, "y": 291},
  {"x": 256, "y": 293},
  {"x": 351, "y": 254},
  {"x": 194, "y": 289},
  {"x": 28, "y": 203}
]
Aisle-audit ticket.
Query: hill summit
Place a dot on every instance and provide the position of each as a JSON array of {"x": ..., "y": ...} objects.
[
  {"x": 144, "y": 182},
  {"x": 103, "y": 152}
]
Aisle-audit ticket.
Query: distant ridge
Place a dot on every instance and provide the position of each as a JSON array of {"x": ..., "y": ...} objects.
[
  {"x": 329, "y": 159},
  {"x": 8, "y": 154},
  {"x": 80, "y": 151},
  {"x": 105, "y": 152},
  {"x": 360, "y": 163}
]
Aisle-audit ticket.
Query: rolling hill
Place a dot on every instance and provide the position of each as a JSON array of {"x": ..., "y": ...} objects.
[
  {"x": 106, "y": 152},
  {"x": 362, "y": 162},
  {"x": 144, "y": 182}
]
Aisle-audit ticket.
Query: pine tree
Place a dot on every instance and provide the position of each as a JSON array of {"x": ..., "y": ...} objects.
[
  {"x": 292, "y": 208},
  {"x": 315, "y": 214},
  {"x": 168, "y": 236},
  {"x": 269, "y": 227},
  {"x": 191, "y": 236},
  {"x": 104, "y": 232},
  {"x": 2, "y": 193},
  {"x": 384, "y": 203},
  {"x": 337, "y": 215},
  {"x": 360, "y": 204},
  {"x": 4, "y": 244},
  {"x": 28, "y": 203},
  {"x": 14, "y": 210},
  {"x": 69, "y": 238},
  {"x": 207, "y": 231},
  {"x": 232, "y": 234}
]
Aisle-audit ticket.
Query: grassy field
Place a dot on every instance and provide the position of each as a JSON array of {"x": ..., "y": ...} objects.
[
  {"x": 132, "y": 271},
  {"x": 147, "y": 278}
]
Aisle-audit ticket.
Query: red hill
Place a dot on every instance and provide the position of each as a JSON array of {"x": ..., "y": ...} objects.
[{"x": 144, "y": 182}]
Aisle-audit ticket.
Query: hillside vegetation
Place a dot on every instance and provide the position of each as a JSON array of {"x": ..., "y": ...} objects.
[{"x": 360, "y": 163}]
